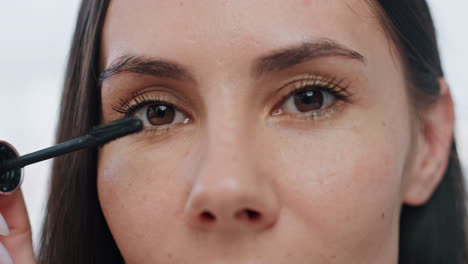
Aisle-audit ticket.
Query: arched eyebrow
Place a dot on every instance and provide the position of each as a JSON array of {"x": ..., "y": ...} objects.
[
  {"x": 287, "y": 57},
  {"x": 148, "y": 66},
  {"x": 275, "y": 61}
]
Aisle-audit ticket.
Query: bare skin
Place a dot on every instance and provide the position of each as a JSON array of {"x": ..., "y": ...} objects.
[
  {"x": 328, "y": 190},
  {"x": 242, "y": 174}
]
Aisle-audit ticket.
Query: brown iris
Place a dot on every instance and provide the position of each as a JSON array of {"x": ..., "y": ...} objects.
[
  {"x": 308, "y": 100},
  {"x": 159, "y": 114}
]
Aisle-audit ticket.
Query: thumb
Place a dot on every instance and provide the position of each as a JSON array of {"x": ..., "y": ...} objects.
[{"x": 15, "y": 230}]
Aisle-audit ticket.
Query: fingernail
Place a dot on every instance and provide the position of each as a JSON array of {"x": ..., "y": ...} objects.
[
  {"x": 5, "y": 257},
  {"x": 4, "y": 230}
]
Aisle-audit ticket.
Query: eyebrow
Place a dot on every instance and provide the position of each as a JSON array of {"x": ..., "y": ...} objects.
[
  {"x": 148, "y": 66},
  {"x": 276, "y": 61},
  {"x": 309, "y": 50}
]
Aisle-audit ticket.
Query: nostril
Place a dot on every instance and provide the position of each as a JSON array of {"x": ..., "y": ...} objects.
[
  {"x": 249, "y": 214},
  {"x": 207, "y": 216},
  {"x": 253, "y": 215}
]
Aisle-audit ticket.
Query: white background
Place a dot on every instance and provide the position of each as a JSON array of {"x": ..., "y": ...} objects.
[{"x": 34, "y": 41}]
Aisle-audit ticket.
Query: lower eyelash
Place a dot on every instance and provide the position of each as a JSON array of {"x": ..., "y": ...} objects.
[
  {"x": 322, "y": 114},
  {"x": 330, "y": 85},
  {"x": 158, "y": 130},
  {"x": 139, "y": 100}
]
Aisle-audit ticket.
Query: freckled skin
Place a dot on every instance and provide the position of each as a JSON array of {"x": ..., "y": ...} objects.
[{"x": 327, "y": 191}]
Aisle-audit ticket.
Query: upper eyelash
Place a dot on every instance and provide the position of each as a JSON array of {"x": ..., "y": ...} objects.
[
  {"x": 332, "y": 85},
  {"x": 141, "y": 100}
]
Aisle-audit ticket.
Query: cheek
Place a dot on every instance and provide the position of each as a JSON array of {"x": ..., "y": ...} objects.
[
  {"x": 138, "y": 193},
  {"x": 344, "y": 184}
]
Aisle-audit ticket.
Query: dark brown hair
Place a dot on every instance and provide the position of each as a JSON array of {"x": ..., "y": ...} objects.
[
  {"x": 75, "y": 230},
  {"x": 435, "y": 232}
]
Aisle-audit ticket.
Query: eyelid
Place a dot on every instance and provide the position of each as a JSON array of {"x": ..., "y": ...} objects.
[
  {"x": 141, "y": 98},
  {"x": 308, "y": 76},
  {"x": 337, "y": 87},
  {"x": 144, "y": 98}
]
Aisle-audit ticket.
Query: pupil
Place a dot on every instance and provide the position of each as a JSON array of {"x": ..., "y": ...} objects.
[
  {"x": 160, "y": 115},
  {"x": 308, "y": 101}
]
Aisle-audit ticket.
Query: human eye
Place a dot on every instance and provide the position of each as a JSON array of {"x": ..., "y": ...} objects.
[
  {"x": 312, "y": 97},
  {"x": 158, "y": 113}
]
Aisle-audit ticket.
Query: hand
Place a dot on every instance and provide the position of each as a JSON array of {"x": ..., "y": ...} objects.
[
  {"x": 15, "y": 230},
  {"x": 15, "y": 238}
]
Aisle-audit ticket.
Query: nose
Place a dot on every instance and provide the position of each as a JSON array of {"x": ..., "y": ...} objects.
[{"x": 231, "y": 193}]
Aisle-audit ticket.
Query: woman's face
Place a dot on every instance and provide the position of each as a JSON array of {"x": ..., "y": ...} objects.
[{"x": 275, "y": 132}]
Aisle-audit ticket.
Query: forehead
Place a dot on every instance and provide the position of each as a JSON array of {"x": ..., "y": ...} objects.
[{"x": 231, "y": 29}]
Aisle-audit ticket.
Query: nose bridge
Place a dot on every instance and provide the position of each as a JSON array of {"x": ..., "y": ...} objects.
[
  {"x": 228, "y": 142},
  {"x": 230, "y": 192},
  {"x": 225, "y": 171},
  {"x": 229, "y": 129}
]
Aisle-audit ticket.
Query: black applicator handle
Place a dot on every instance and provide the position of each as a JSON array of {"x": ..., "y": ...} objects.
[
  {"x": 97, "y": 136},
  {"x": 10, "y": 164}
]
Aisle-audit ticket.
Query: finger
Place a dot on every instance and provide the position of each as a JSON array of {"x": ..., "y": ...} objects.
[
  {"x": 5, "y": 257},
  {"x": 19, "y": 240}
]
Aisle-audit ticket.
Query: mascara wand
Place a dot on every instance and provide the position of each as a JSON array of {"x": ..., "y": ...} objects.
[{"x": 11, "y": 164}]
